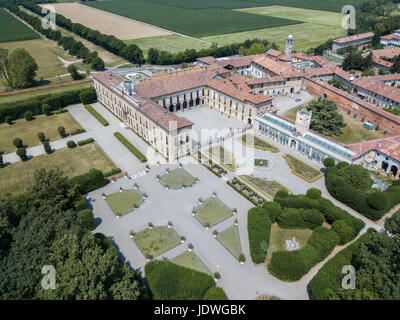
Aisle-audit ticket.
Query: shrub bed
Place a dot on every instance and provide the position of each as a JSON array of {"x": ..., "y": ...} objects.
[
  {"x": 259, "y": 229},
  {"x": 87, "y": 141},
  {"x": 130, "y": 147},
  {"x": 246, "y": 191},
  {"x": 97, "y": 115},
  {"x": 87, "y": 182},
  {"x": 302, "y": 170}
]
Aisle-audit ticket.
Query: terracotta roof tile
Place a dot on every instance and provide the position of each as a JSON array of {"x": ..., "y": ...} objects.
[
  {"x": 359, "y": 36},
  {"x": 277, "y": 67},
  {"x": 389, "y": 146}
]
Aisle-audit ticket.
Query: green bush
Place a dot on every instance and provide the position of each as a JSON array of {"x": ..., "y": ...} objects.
[
  {"x": 130, "y": 147},
  {"x": 323, "y": 241},
  {"x": 97, "y": 115},
  {"x": 8, "y": 120},
  {"x": 341, "y": 165},
  {"x": 83, "y": 142},
  {"x": 71, "y": 144},
  {"x": 344, "y": 231},
  {"x": 87, "y": 182},
  {"x": 61, "y": 131},
  {"x": 378, "y": 200},
  {"x": 17, "y": 142},
  {"x": 41, "y": 136},
  {"x": 88, "y": 95},
  {"x": 28, "y": 116},
  {"x": 328, "y": 162},
  {"x": 282, "y": 193},
  {"x": 46, "y": 109},
  {"x": 274, "y": 210},
  {"x": 314, "y": 193},
  {"x": 77, "y": 131},
  {"x": 312, "y": 218},
  {"x": 1, "y": 161},
  {"x": 46, "y": 146},
  {"x": 259, "y": 229},
  {"x": 168, "y": 281},
  {"x": 21, "y": 152},
  {"x": 112, "y": 172},
  {"x": 86, "y": 219},
  {"x": 215, "y": 293},
  {"x": 291, "y": 218}
]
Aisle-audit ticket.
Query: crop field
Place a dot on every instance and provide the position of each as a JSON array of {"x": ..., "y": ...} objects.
[{"x": 11, "y": 29}]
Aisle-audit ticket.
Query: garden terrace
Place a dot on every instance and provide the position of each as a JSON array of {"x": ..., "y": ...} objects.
[
  {"x": 252, "y": 141},
  {"x": 190, "y": 260},
  {"x": 156, "y": 241},
  {"x": 230, "y": 239},
  {"x": 246, "y": 191},
  {"x": 177, "y": 179},
  {"x": 223, "y": 156},
  {"x": 267, "y": 187},
  {"x": 125, "y": 201},
  {"x": 212, "y": 211},
  {"x": 302, "y": 170}
]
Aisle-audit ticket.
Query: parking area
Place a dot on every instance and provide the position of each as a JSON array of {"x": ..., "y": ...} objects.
[{"x": 286, "y": 103}]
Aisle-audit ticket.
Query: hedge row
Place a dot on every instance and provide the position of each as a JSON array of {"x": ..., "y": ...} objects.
[
  {"x": 292, "y": 218},
  {"x": 97, "y": 115},
  {"x": 259, "y": 229},
  {"x": 87, "y": 182},
  {"x": 292, "y": 265},
  {"x": 130, "y": 147},
  {"x": 16, "y": 110},
  {"x": 168, "y": 281},
  {"x": 86, "y": 141},
  {"x": 329, "y": 277},
  {"x": 112, "y": 172},
  {"x": 372, "y": 204},
  {"x": 242, "y": 193}
]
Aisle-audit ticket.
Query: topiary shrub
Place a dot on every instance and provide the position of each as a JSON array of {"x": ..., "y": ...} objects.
[
  {"x": 313, "y": 218},
  {"x": 8, "y": 120},
  {"x": 46, "y": 109},
  {"x": 86, "y": 219},
  {"x": 328, "y": 162},
  {"x": 314, "y": 193},
  {"x": 274, "y": 210},
  {"x": 291, "y": 218},
  {"x": 21, "y": 152},
  {"x": 344, "y": 231},
  {"x": 215, "y": 293},
  {"x": 71, "y": 144},
  {"x": 1, "y": 161},
  {"x": 282, "y": 193},
  {"x": 378, "y": 200},
  {"x": 168, "y": 281},
  {"x": 259, "y": 229},
  {"x": 61, "y": 131},
  {"x": 28, "y": 116},
  {"x": 46, "y": 146},
  {"x": 17, "y": 142},
  {"x": 323, "y": 241},
  {"x": 41, "y": 136},
  {"x": 341, "y": 165}
]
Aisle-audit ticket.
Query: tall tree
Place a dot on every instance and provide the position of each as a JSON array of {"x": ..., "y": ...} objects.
[
  {"x": 22, "y": 69},
  {"x": 5, "y": 65}
]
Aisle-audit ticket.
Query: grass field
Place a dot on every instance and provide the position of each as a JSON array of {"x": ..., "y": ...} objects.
[
  {"x": 11, "y": 29},
  {"x": 16, "y": 177},
  {"x": 192, "y": 261},
  {"x": 278, "y": 237},
  {"x": 176, "y": 178},
  {"x": 123, "y": 202},
  {"x": 213, "y": 211},
  {"x": 157, "y": 240},
  {"x": 31, "y": 94},
  {"x": 352, "y": 133},
  {"x": 195, "y": 22},
  {"x": 27, "y": 130},
  {"x": 230, "y": 239}
]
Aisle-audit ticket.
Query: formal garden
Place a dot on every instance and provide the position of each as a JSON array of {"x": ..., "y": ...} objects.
[
  {"x": 261, "y": 163},
  {"x": 190, "y": 260},
  {"x": 313, "y": 226},
  {"x": 353, "y": 185},
  {"x": 223, "y": 156},
  {"x": 246, "y": 191},
  {"x": 302, "y": 170},
  {"x": 252, "y": 141},
  {"x": 265, "y": 186},
  {"x": 156, "y": 240},
  {"x": 177, "y": 178},
  {"x": 212, "y": 211},
  {"x": 230, "y": 239},
  {"x": 125, "y": 201}
]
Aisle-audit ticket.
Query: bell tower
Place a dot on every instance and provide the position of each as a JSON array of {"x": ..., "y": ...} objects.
[
  {"x": 289, "y": 45},
  {"x": 303, "y": 121}
]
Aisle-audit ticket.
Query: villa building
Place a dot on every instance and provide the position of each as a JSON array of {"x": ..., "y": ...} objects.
[
  {"x": 391, "y": 39},
  {"x": 358, "y": 41}
]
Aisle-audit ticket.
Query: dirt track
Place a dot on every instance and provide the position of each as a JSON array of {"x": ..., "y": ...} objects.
[{"x": 107, "y": 23}]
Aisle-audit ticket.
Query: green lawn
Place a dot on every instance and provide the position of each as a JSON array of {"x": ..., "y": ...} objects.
[
  {"x": 192, "y": 261},
  {"x": 157, "y": 240},
  {"x": 177, "y": 178},
  {"x": 33, "y": 93},
  {"x": 213, "y": 211},
  {"x": 261, "y": 162},
  {"x": 230, "y": 239},
  {"x": 27, "y": 130},
  {"x": 16, "y": 177},
  {"x": 267, "y": 187},
  {"x": 278, "y": 237},
  {"x": 11, "y": 29},
  {"x": 256, "y": 142},
  {"x": 302, "y": 170},
  {"x": 223, "y": 156},
  {"x": 124, "y": 202}
]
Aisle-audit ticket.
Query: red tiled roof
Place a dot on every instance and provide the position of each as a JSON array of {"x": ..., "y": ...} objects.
[
  {"x": 386, "y": 77},
  {"x": 277, "y": 67},
  {"x": 379, "y": 88},
  {"x": 391, "y": 36},
  {"x": 311, "y": 72},
  {"x": 343, "y": 74},
  {"x": 359, "y": 36},
  {"x": 389, "y": 146},
  {"x": 383, "y": 63},
  {"x": 235, "y": 62},
  {"x": 323, "y": 62},
  {"x": 301, "y": 56},
  {"x": 207, "y": 60},
  {"x": 389, "y": 53},
  {"x": 264, "y": 80}
]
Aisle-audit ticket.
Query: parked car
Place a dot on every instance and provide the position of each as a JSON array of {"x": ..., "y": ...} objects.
[{"x": 298, "y": 100}]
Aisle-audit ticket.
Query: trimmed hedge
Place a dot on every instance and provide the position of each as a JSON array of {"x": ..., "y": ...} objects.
[
  {"x": 77, "y": 131},
  {"x": 259, "y": 229},
  {"x": 215, "y": 293},
  {"x": 112, "y": 172},
  {"x": 274, "y": 210},
  {"x": 168, "y": 281},
  {"x": 130, "y": 147},
  {"x": 87, "y": 182},
  {"x": 97, "y": 115},
  {"x": 293, "y": 265},
  {"x": 16, "y": 110},
  {"x": 87, "y": 141}
]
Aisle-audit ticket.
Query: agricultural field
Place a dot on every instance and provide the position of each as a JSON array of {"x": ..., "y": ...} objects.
[
  {"x": 17, "y": 176},
  {"x": 28, "y": 130},
  {"x": 11, "y": 29}
]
